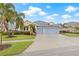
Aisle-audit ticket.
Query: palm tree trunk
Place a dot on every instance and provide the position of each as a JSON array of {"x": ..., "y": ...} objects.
[
  {"x": 1, "y": 39},
  {"x": 1, "y": 33},
  {"x": 6, "y": 25}
]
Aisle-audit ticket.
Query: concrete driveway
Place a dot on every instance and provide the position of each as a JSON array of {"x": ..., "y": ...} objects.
[{"x": 53, "y": 44}]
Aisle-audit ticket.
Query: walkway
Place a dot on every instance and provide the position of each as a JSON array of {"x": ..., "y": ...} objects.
[
  {"x": 18, "y": 40},
  {"x": 53, "y": 44}
]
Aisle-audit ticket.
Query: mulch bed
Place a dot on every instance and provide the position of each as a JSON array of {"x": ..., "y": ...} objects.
[{"x": 4, "y": 46}]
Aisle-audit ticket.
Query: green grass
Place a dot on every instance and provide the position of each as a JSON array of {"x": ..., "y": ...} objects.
[
  {"x": 71, "y": 34},
  {"x": 16, "y": 48},
  {"x": 18, "y": 37}
]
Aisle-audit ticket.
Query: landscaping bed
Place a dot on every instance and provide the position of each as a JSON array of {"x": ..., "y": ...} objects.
[{"x": 4, "y": 46}]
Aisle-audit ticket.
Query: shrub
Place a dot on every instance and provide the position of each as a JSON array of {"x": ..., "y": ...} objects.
[
  {"x": 69, "y": 32},
  {"x": 5, "y": 33},
  {"x": 64, "y": 31},
  {"x": 75, "y": 32},
  {"x": 19, "y": 33},
  {"x": 22, "y": 32}
]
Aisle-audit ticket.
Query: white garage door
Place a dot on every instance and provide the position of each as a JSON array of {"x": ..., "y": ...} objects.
[{"x": 47, "y": 30}]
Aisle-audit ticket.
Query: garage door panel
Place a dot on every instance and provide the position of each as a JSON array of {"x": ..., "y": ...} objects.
[{"x": 47, "y": 30}]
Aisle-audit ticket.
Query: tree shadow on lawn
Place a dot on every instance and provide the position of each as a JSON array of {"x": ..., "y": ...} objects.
[{"x": 10, "y": 37}]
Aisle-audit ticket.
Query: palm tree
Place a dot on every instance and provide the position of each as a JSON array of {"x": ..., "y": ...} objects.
[
  {"x": 5, "y": 14},
  {"x": 9, "y": 14},
  {"x": 6, "y": 11},
  {"x": 19, "y": 20},
  {"x": 13, "y": 16}
]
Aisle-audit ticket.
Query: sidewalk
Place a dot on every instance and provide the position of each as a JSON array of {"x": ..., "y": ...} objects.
[{"x": 18, "y": 40}]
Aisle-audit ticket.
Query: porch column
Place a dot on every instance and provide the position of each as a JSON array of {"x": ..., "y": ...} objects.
[{"x": 28, "y": 28}]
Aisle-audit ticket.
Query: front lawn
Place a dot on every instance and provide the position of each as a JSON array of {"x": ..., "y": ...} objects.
[
  {"x": 16, "y": 48},
  {"x": 71, "y": 34},
  {"x": 18, "y": 37}
]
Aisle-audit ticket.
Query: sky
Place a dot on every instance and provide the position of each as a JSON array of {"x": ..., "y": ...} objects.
[{"x": 49, "y": 12}]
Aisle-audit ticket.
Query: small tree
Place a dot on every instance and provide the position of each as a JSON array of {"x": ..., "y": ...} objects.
[
  {"x": 77, "y": 29},
  {"x": 32, "y": 28}
]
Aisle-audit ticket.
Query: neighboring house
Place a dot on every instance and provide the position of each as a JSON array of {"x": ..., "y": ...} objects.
[
  {"x": 70, "y": 26},
  {"x": 69, "y": 29}
]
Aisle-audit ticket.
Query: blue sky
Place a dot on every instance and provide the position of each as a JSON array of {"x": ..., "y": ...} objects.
[{"x": 50, "y": 12}]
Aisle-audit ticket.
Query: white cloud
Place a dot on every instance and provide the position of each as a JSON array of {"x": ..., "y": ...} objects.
[
  {"x": 77, "y": 14},
  {"x": 32, "y": 11},
  {"x": 71, "y": 8},
  {"x": 42, "y": 13},
  {"x": 66, "y": 16},
  {"x": 48, "y": 6},
  {"x": 55, "y": 15},
  {"x": 49, "y": 18}
]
